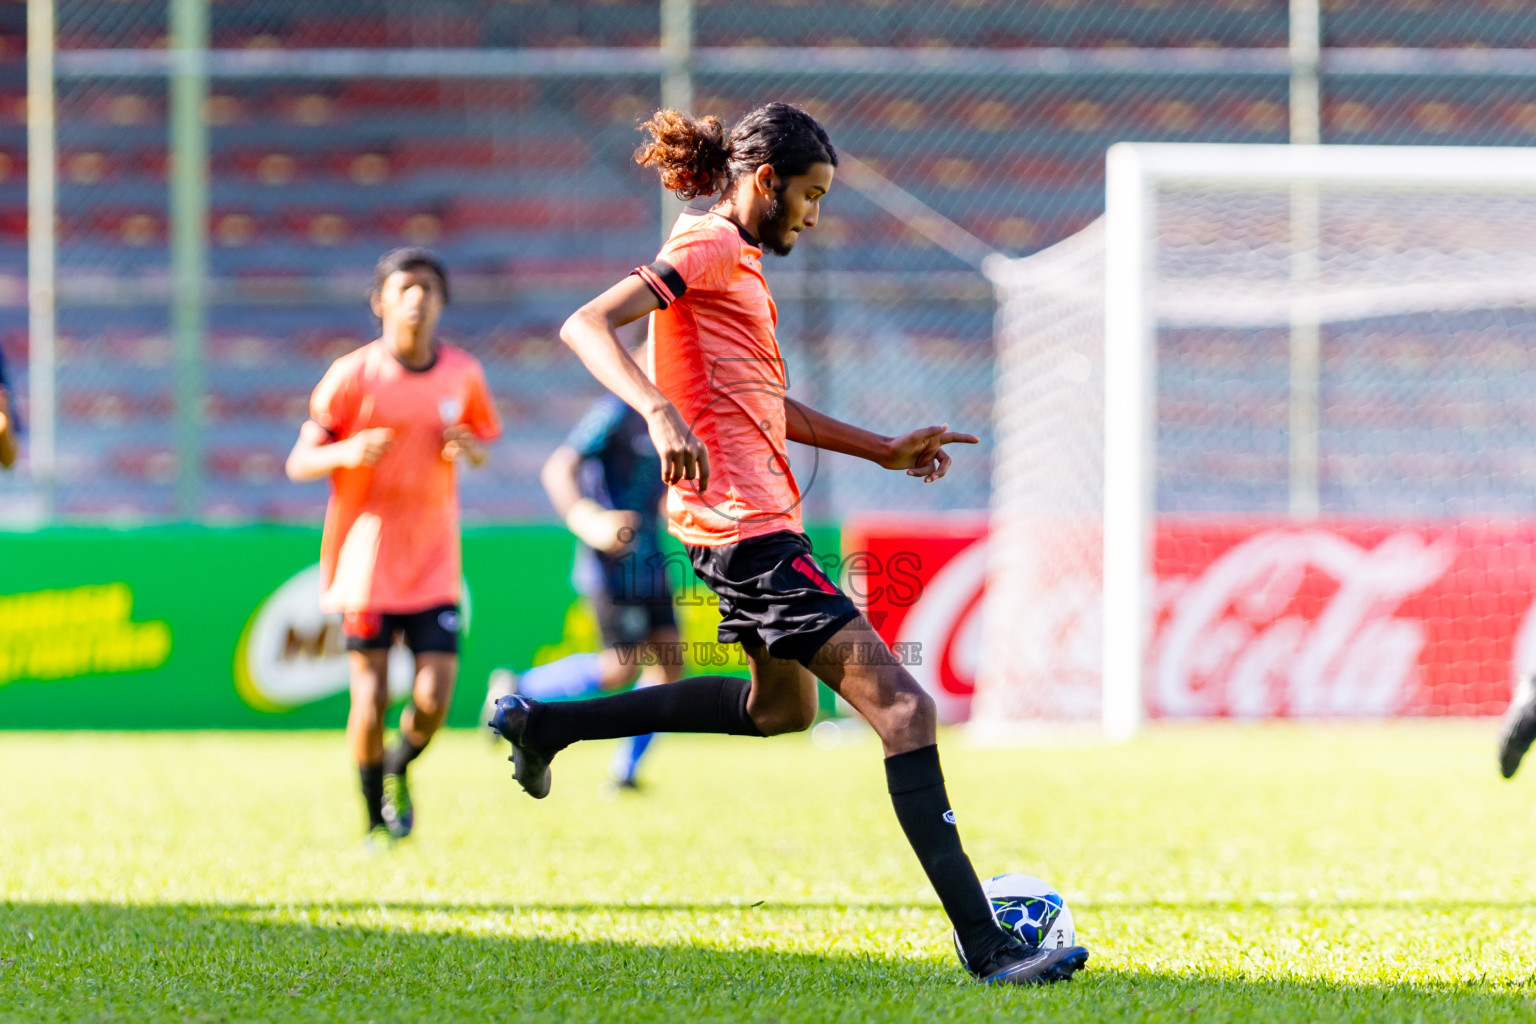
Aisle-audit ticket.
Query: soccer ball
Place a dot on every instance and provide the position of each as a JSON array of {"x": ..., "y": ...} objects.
[{"x": 1029, "y": 910}]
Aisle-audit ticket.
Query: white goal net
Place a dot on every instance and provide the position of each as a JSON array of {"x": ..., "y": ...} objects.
[{"x": 1266, "y": 442}]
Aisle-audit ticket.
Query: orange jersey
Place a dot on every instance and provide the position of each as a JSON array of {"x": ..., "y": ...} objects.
[
  {"x": 714, "y": 354},
  {"x": 391, "y": 540}
]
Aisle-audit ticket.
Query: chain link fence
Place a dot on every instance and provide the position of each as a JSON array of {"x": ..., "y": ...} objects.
[{"x": 501, "y": 134}]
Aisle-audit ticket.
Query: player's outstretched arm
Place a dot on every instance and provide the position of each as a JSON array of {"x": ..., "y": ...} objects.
[
  {"x": 608, "y": 530},
  {"x": 920, "y": 452},
  {"x": 7, "y": 432},
  {"x": 590, "y": 332},
  {"x": 314, "y": 456}
]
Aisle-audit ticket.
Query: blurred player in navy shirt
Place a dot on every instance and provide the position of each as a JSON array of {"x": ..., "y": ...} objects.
[{"x": 605, "y": 481}]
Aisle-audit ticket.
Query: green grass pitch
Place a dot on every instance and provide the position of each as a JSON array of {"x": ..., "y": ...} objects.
[{"x": 1361, "y": 873}]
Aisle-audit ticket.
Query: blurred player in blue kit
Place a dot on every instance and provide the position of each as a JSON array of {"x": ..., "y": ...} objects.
[{"x": 605, "y": 481}]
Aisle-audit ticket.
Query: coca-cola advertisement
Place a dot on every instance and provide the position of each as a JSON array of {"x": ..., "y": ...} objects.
[
  {"x": 1258, "y": 620},
  {"x": 1251, "y": 618},
  {"x": 920, "y": 581}
]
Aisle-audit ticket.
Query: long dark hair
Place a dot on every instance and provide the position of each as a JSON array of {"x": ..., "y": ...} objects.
[{"x": 701, "y": 157}]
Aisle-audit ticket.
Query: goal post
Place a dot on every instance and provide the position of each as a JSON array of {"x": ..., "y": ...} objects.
[
  {"x": 1258, "y": 251},
  {"x": 1130, "y": 428}
]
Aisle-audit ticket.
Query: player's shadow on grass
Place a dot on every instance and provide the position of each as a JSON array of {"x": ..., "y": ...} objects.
[{"x": 212, "y": 962}]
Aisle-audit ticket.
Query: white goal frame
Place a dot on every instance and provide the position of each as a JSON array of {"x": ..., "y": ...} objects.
[{"x": 1133, "y": 174}]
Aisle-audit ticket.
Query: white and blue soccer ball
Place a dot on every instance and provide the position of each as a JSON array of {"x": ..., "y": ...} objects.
[{"x": 1029, "y": 910}]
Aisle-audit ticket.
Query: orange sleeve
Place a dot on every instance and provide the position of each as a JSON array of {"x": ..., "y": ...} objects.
[
  {"x": 334, "y": 404},
  {"x": 480, "y": 414},
  {"x": 703, "y": 259}
]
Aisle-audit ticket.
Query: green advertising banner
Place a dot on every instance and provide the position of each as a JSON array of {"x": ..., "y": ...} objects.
[{"x": 205, "y": 628}]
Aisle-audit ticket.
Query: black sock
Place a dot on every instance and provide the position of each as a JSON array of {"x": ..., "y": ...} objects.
[
  {"x": 917, "y": 790},
  {"x": 703, "y": 704},
  {"x": 373, "y": 792},
  {"x": 402, "y": 754}
]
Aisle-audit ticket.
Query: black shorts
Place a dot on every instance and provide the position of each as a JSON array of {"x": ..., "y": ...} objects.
[
  {"x": 630, "y": 622},
  {"x": 434, "y": 630},
  {"x": 773, "y": 594},
  {"x": 631, "y": 596}
]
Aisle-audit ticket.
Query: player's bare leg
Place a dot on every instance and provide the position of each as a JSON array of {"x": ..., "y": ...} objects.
[
  {"x": 369, "y": 672},
  {"x": 783, "y": 695},
  {"x": 859, "y": 667},
  {"x": 431, "y": 694},
  {"x": 857, "y": 664},
  {"x": 370, "y": 700}
]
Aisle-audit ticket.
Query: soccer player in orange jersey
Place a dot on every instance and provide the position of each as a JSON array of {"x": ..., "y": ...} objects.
[
  {"x": 7, "y": 421},
  {"x": 389, "y": 424},
  {"x": 714, "y": 398}
]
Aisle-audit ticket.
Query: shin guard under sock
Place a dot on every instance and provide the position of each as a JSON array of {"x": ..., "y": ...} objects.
[
  {"x": 703, "y": 704},
  {"x": 372, "y": 776},
  {"x": 916, "y": 783},
  {"x": 400, "y": 755}
]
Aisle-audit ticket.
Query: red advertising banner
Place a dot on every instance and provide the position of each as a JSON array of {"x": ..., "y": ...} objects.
[
  {"x": 1252, "y": 618},
  {"x": 921, "y": 581},
  {"x": 1256, "y": 619}
]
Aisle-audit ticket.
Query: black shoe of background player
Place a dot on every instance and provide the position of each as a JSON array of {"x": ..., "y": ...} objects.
[
  {"x": 1018, "y": 964},
  {"x": 529, "y": 767},
  {"x": 1519, "y": 727}
]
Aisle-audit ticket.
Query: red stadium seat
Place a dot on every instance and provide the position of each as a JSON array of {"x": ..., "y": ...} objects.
[
  {"x": 547, "y": 213},
  {"x": 234, "y": 228},
  {"x": 413, "y": 226},
  {"x": 372, "y": 96},
  {"x": 100, "y": 406},
  {"x": 418, "y": 154},
  {"x": 326, "y": 345},
  {"x": 156, "y": 464},
  {"x": 114, "y": 226},
  {"x": 352, "y": 31},
  {"x": 13, "y": 165},
  {"x": 13, "y": 224},
  {"x": 316, "y": 226},
  {"x": 253, "y": 465}
]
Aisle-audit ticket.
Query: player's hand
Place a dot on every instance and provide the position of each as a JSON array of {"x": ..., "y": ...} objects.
[
  {"x": 460, "y": 442},
  {"x": 5, "y": 411},
  {"x": 367, "y": 447},
  {"x": 683, "y": 456},
  {"x": 626, "y": 527},
  {"x": 609, "y": 530},
  {"x": 921, "y": 453}
]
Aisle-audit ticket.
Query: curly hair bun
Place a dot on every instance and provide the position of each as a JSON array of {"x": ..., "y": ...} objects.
[{"x": 692, "y": 155}]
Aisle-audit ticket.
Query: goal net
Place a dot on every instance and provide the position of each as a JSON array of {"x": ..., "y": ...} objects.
[{"x": 1266, "y": 442}]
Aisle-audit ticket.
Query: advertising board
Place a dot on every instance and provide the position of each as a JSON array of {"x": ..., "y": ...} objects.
[{"x": 1252, "y": 618}]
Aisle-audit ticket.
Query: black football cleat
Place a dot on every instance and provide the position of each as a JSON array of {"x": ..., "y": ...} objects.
[
  {"x": 502, "y": 682},
  {"x": 1018, "y": 964},
  {"x": 530, "y": 767},
  {"x": 1519, "y": 727}
]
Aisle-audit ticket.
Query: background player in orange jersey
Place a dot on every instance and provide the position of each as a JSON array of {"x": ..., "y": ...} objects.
[
  {"x": 388, "y": 424},
  {"x": 7, "y": 420},
  {"x": 714, "y": 399}
]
